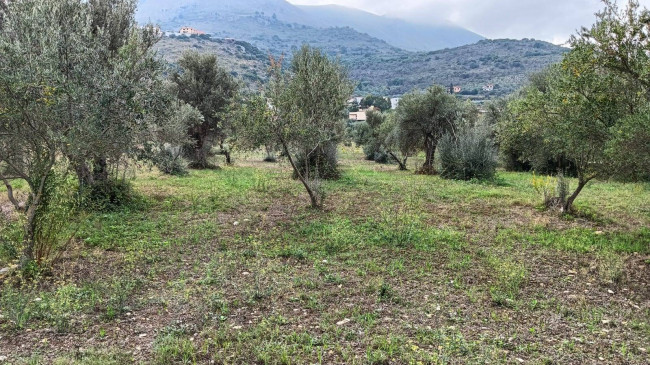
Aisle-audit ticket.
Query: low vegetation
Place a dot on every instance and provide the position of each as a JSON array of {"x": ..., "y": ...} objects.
[{"x": 227, "y": 266}]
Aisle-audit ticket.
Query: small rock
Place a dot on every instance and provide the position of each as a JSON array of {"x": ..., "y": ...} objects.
[
  {"x": 237, "y": 327},
  {"x": 245, "y": 273},
  {"x": 4, "y": 270},
  {"x": 610, "y": 291},
  {"x": 235, "y": 224},
  {"x": 600, "y": 233},
  {"x": 3, "y": 358},
  {"x": 138, "y": 348},
  {"x": 520, "y": 360},
  {"x": 341, "y": 323},
  {"x": 643, "y": 349},
  {"x": 142, "y": 335},
  {"x": 601, "y": 358}
]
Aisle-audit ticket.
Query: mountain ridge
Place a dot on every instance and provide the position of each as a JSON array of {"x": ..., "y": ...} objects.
[{"x": 223, "y": 17}]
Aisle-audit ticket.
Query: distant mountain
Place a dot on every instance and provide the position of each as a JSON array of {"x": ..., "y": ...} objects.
[
  {"x": 400, "y": 33},
  {"x": 227, "y": 17},
  {"x": 505, "y": 64}
]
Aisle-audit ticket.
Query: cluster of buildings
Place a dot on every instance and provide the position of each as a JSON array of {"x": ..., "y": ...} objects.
[{"x": 456, "y": 89}]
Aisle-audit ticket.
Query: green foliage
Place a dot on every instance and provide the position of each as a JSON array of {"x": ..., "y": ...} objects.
[
  {"x": 16, "y": 304},
  {"x": 468, "y": 154},
  {"x": 424, "y": 117},
  {"x": 206, "y": 86},
  {"x": 302, "y": 113},
  {"x": 319, "y": 164},
  {"x": 53, "y": 221},
  {"x": 380, "y": 102},
  {"x": 110, "y": 195}
]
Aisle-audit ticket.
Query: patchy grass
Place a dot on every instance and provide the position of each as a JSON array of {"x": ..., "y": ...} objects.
[{"x": 232, "y": 267}]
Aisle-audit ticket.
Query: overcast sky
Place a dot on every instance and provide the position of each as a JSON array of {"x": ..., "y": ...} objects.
[{"x": 550, "y": 20}]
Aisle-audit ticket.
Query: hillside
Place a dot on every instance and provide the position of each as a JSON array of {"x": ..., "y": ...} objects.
[
  {"x": 266, "y": 19},
  {"x": 505, "y": 63},
  {"x": 385, "y": 70},
  {"x": 244, "y": 61}
]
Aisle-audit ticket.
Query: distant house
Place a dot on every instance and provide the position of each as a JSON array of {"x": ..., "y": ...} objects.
[
  {"x": 358, "y": 116},
  {"x": 394, "y": 103},
  {"x": 190, "y": 31},
  {"x": 488, "y": 87},
  {"x": 370, "y": 108},
  {"x": 457, "y": 89}
]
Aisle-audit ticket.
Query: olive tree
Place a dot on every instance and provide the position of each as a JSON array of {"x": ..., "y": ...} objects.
[
  {"x": 208, "y": 87},
  {"x": 302, "y": 112},
  {"x": 126, "y": 85},
  {"x": 574, "y": 117},
  {"x": 423, "y": 118},
  {"x": 380, "y": 137},
  {"x": 620, "y": 43},
  {"x": 55, "y": 92}
]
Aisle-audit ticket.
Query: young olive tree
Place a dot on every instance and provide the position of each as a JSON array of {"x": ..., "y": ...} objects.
[
  {"x": 302, "y": 112},
  {"x": 390, "y": 136},
  {"x": 423, "y": 118},
  {"x": 380, "y": 137},
  {"x": 206, "y": 86}
]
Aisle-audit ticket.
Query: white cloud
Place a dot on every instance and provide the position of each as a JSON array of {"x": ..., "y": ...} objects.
[{"x": 550, "y": 20}]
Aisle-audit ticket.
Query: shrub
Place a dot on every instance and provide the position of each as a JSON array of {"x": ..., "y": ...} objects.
[
  {"x": 108, "y": 195},
  {"x": 321, "y": 164},
  {"x": 171, "y": 163},
  {"x": 52, "y": 222},
  {"x": 468, "y": 155}
]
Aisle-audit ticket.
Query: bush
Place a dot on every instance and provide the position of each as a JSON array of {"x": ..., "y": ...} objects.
[
  {"x": 170, "y": 163},
  {"x": 468, "y": 155},
  {"x": 321, "y": 164},
  {"x": 108, "y": 195}
]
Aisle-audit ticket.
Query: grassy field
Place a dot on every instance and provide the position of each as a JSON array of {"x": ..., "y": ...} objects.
[{"x": 233, "y": 267}]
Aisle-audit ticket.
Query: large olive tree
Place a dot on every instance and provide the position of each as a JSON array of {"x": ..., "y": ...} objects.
[
  {"x": 208, "y": 87},
  {"x": 126, "y": 85},
  {"x": 424, "y": 117},
  {"x": 56, "y": 88}
]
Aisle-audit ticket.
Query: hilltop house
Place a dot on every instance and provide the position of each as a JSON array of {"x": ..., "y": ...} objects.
[
  {"x": 190, "y": 31},
  {"x": 457, "y": 89},
  {"x": 394, "y": 103}
]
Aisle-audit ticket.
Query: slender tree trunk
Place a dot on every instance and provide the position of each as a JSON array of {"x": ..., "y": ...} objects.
[
  {"x": 310, "y": 191},
  {"x": 582, "y": 182},
  {"x": 29, "y": 235},
  {"x": 226, "y": 153},
  {"x": 402, "y": 164}
]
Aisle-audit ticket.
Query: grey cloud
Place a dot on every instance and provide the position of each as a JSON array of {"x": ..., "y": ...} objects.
[{"x": 550, "y": 20}]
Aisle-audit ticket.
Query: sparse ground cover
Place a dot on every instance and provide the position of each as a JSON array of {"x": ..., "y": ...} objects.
[{"x": 229, "y": 267}]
